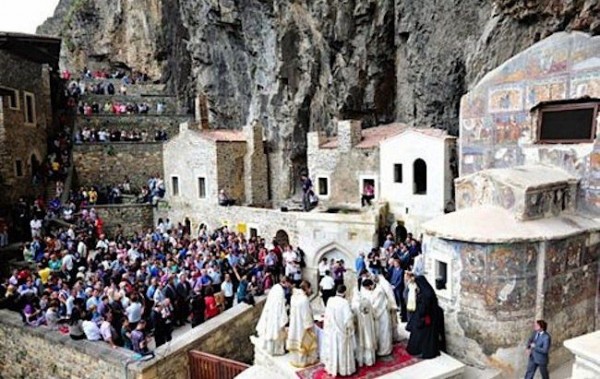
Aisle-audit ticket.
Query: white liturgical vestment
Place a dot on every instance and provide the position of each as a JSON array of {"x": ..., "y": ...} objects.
[
  {"x": 338, "y": 329},
  {"x": 383, "y": 323},
  {"x": 302, "y": 339},
  {"x": 271, "y": 325},
  {"x": 366, "y": 335}
]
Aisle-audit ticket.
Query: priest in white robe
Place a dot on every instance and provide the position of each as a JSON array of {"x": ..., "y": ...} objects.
[
  {"x": 383, "y": 323},
  {"x": 272, "y": 322},
  {"x": 366, "y": 334},
  {"x": 392, "y": 306},
  {"x": 338, "y": 332},
  {"x": 302, "y": 339}
]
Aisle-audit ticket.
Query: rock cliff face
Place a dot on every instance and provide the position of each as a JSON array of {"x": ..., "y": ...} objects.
[{"x": 296, "y": 65}]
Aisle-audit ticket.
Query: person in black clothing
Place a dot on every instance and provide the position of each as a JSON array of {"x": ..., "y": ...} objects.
[
  {"x": 307, "y": 192},
  {"x": 426, "y": 326},
  {"x": 161, "y": 323},
  {"x": 198, "y": 307},
  {"x": 183, "y": 290}
]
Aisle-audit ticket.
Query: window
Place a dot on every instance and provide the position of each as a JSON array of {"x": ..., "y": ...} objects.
[
  {"x": 202, "y": 188},
  {"x": 11, "y": 96},
  {"x": 419, "y": 177},
  {"x": 30, "y": 108},
  {"x": 175, "y": 185},
  {"x": 441, "y": 275},
  {"x": 19, "y": 168},
  {"x": 567, "y": 123},
  {"x": 397, "y": 173},
  {"x": 253, "y": 232},
  {"x": 323, "y": 186}
]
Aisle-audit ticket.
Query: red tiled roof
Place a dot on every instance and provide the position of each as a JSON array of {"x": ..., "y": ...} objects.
[
  {"x": 370, "y": 136},
  {"x": 223, "y": 135}
]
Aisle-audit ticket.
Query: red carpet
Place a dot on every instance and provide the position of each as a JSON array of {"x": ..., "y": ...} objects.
[{"x": 384, "y": 365}]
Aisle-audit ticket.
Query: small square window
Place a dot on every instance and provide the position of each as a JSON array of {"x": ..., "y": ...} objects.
[
  {"x": 19, "y": 168},
  {"x": 397, "y": 173},
  {"x": 202, "y": 188},
  {"x": 323, "y": 186},
  {"x": 175, "y": 185},
  {"x": 441, "y": 275}
]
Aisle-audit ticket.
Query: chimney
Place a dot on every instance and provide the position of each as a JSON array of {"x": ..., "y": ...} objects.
[
  {"x": 201, "y": 113},
  {"x": 349, "y": 134},
  {"x": 314, "y": 140},
  {"x": 255, "y": 166}
]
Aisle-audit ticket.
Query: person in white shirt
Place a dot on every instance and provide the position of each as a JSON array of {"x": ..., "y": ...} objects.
[
  {"x": 327, "y": 286},
  {"x": 91, "y": 330},
  {"x": 227, "y": 289},
  {"x": 107, "y": 331},
  {"x": 36, "y": 227},
  {"x": 323, "y": 267}
]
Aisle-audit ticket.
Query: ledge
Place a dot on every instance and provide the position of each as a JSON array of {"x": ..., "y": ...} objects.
[
  {"x": 119, "y": 206},
  {"x": 98, "y": 349},
  {"x": 493, "y": 224},
  {"x": 586, "y": 347}
]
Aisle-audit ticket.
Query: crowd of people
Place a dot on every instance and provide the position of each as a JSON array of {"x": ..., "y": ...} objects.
[
  {"x": 118, "y": 108},
  {"x": 87, "y": 135},
  {"x": 122, "y": 290}
]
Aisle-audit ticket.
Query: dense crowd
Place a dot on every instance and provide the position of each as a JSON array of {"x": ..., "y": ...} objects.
[
  {"x": 118, "y": 108},
  {"x": 123, "y": 289},
  {"x": 87, "y": 135}
]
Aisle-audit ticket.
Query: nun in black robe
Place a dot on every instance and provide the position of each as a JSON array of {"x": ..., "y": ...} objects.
[{"x": 426, "y": 326}]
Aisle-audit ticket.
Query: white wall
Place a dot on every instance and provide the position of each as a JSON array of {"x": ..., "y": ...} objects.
[
  {"x": 189, "y": 157},
  {"x": 405, "y": 149}
]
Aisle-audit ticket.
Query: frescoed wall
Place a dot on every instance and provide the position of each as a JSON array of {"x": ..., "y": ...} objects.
[{"x": 498, "y": 127}]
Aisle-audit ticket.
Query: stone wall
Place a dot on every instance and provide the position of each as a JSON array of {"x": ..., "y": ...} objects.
[
  {"x": 132, "y": 122},
  {"x": 105, "y": 163},
  {"x": 227, "y": 335},
  {"x": 19, "y": 141},
  {"x": 132, "y": 217},
  {"x": 343, "y": 167},
  {"x": 230, "y": 169},
  {"x": 267, "y": 222},
  {"x": 495, "y": 292},
  {"x": 27, "y": 352}
]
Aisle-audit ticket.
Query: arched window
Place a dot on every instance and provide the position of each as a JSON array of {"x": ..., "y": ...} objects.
[{"x": 419, "y": 177}]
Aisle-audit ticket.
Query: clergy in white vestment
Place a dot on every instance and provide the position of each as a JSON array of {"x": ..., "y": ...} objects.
[
  {"x": 272, "y": 322},
  {"x": 366, "y": 342},
  {"x": 392, "y": 306},
  {"x": 338, "y": 330},
  {"x": 383, "y": 323},
  {"x": 302, "y": 339}
]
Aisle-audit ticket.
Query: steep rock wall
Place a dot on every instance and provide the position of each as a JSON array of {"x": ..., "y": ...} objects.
[{"x": 298, "y": 65}]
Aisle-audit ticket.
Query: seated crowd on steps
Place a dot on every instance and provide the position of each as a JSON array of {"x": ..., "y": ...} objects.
[{"x": 116, "y": 135}]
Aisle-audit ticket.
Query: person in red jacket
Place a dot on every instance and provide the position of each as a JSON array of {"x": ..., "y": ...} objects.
[{"x": 212, "y": 309}]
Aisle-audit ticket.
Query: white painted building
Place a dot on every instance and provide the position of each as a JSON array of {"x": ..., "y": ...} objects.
[{"x": 416, "y": 174}]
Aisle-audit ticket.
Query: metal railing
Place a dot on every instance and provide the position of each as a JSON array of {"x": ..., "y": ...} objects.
[{"x": 208, "y": 366}]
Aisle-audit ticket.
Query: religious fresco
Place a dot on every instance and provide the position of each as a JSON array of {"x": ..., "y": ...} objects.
[
  {"x": 586, "y": 85},
  {"x": 496, "y": 122},
  {"x": 555, "y": 89},
  {"x": 508, "y": 99}
]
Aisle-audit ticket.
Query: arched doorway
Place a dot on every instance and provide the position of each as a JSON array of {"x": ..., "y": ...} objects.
[
  {"x": 401, "y": 233},
  {"x": 419, "y": 177},
  {"x": 282, "y": 238},
  {"x": 336, "y": 252}
]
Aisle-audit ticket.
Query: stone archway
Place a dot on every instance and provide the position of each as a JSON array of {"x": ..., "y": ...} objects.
[
  {"x": 337, "y": 252},
  {"x": 282, "y": 238}
]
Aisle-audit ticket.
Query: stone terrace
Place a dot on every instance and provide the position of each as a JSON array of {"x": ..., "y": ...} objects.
[
  {"x": 170, "y": 102},
  {"x": 149, "y": 123}
]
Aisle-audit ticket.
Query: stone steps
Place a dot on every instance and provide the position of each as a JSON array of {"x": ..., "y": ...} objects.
[
  {"x": 170, "y": 103},
  {"x": 170, "y": 123}
]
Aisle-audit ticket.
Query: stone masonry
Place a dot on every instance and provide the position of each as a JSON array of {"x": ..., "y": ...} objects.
[
  {"x": 110, "y": 163},
  {"x": 132, "y": 217},
  {"x": 27, "y": 352}
]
